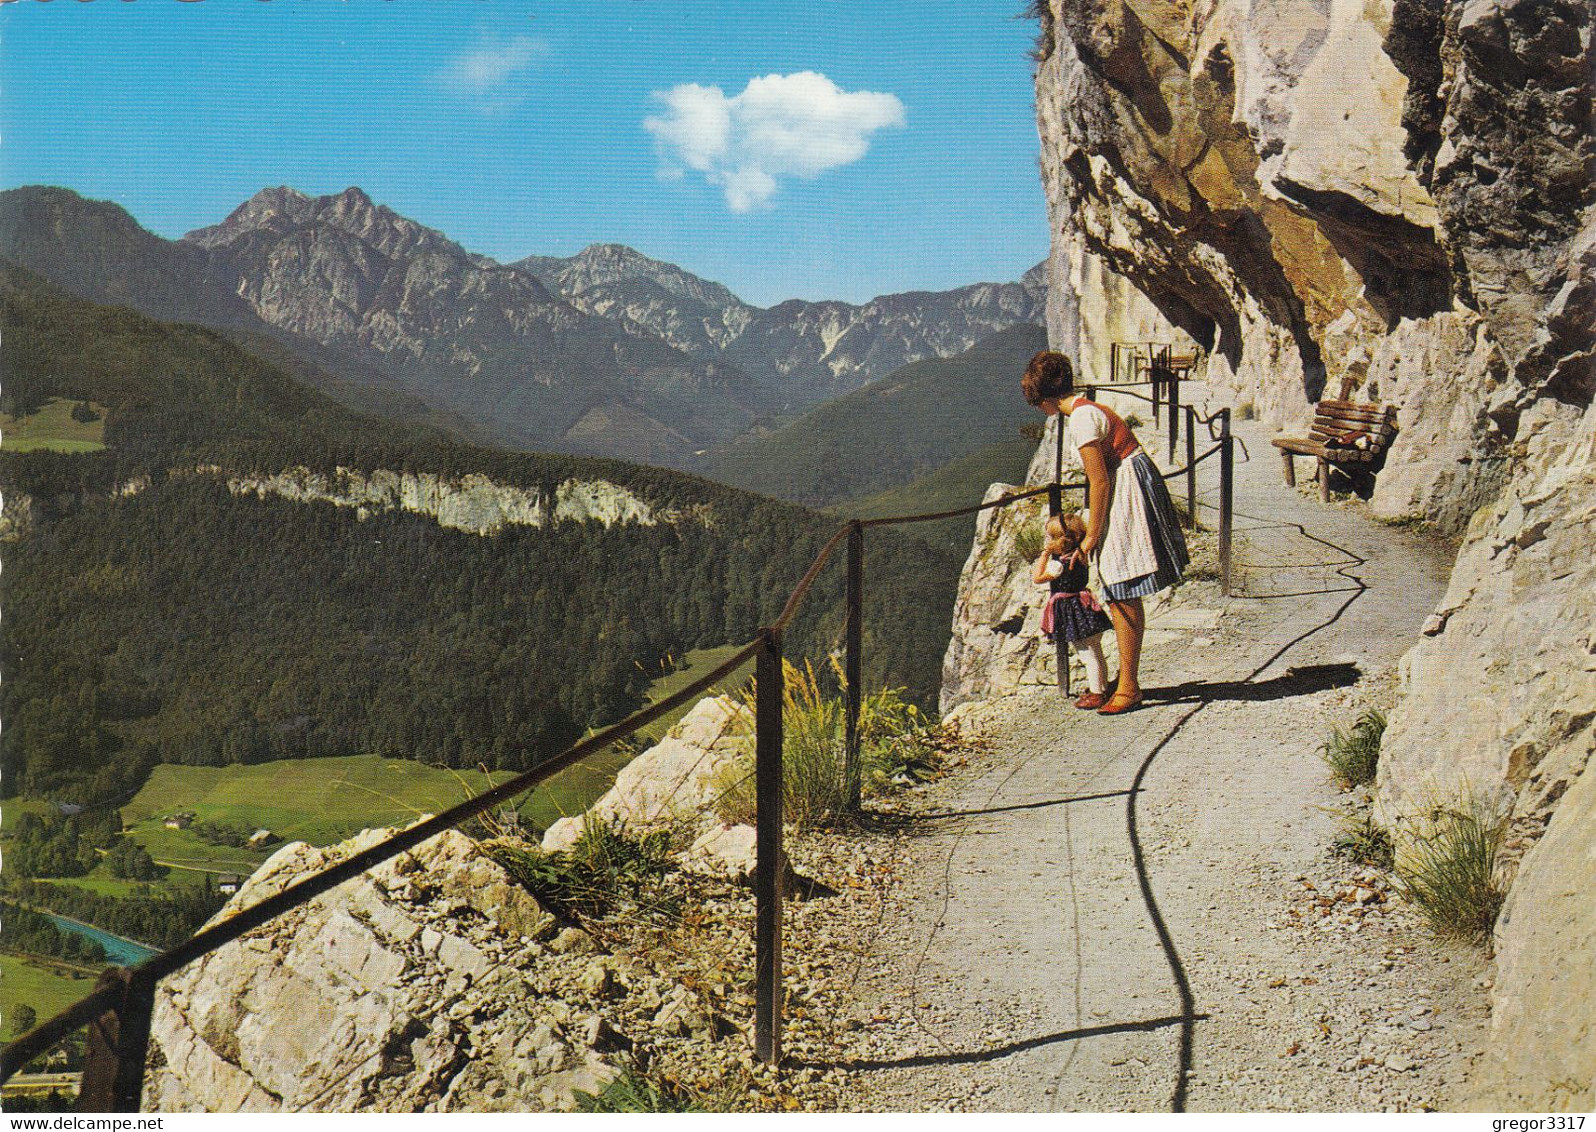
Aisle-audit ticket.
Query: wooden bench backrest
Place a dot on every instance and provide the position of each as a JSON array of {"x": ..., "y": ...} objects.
[{"x": 1337, "y": 418}]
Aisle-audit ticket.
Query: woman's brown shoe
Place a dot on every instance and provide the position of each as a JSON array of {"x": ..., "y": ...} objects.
[
  {"x": 1121, "y": 703},
  {"x": 1090, "y": 701}
]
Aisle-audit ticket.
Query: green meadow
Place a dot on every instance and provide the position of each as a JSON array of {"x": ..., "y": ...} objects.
[
  {"x": 323, "y": 801},
  {"x": 53, "y": 428},
  {"x": 315, "y": 800},
  {"x": 47, "y": 987}
]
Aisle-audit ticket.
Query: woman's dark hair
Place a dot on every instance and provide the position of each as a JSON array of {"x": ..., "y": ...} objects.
[{"x": 1049, "y": 375}]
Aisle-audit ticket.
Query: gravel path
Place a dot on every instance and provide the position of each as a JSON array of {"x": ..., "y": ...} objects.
[{"x": 1142, "y": 912}]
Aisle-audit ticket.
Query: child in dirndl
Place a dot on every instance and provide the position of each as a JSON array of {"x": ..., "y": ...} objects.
[{"x": 1072, "y": 610}]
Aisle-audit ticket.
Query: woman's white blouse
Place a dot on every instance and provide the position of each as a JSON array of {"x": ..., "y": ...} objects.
[{"x": 1088, "y": 423}]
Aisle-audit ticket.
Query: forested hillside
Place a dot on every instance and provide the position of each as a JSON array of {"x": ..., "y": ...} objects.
[
  {"x": 154, "y": 616},
  {"x": 907, "y": 424}
]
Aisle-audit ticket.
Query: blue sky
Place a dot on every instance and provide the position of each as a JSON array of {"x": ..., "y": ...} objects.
[{"x": 824, "y": 149}]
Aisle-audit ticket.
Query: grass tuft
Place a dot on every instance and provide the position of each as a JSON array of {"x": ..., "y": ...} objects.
[
  {"x": 608, "y": 864},
  {"x": 1360, "y": 839},
  {"x": 815, "y": 788},
  {"x": 1028, "y": 543},
  {"x": 1353, "y": 756},
  {"x": 633, "y": 1091},
  {"x": 1445, "y": 869}
]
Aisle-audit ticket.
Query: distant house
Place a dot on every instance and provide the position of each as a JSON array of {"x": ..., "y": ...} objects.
[
  {"x": 261, "y": 837},
  {"x": 69, "y": 809},
  {"x": 227, "y": 884},
  {"x": 179, "y": 821}
]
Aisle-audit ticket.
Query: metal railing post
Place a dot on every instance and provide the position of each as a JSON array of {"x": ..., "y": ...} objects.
[
  {"x": 118, "y": 1045},
  {"x": 767, "y": 869},
  {"x": 1227, "y": 472},
  {"x": 853, "y": 670},
  {"x": 1058, "y": 447},
  {"x": 1191, "y": 468},
  {"x": 1174, "y": 412}
]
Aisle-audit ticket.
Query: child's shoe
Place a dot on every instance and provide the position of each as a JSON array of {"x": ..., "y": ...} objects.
[{"x": 1091, "y": 701}]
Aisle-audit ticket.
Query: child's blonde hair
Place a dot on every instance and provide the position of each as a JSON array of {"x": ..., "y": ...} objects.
[{"x": 1066, "y": 531}]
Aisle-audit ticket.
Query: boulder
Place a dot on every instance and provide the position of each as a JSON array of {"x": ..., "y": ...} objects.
[
  {"x": 398, "y": 991},
  {"x": 725, "y": 851},
  {"x": 676, "y": 780}
]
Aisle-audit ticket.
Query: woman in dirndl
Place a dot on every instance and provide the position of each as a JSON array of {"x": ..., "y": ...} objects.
[{"x": 1132, "y": 530}]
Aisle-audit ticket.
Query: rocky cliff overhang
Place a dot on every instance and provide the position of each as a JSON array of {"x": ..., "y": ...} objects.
[{"x": 1395, "y": 198}]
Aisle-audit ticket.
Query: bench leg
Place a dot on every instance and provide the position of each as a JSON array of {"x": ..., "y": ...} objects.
[
  {"x": 1324, "y": 480},
  {"x": 1291, "y": 468}
]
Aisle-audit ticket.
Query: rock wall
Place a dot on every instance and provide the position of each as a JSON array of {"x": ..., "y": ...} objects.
[
  {"x": 1233, "y": 173},
  {"x": 674, "y": 782},
  {"x": 997, "y": 648},
  {"x": 437, "y": 983},
  {"x": 470, "y": 502},
  {"x": 1394, "y": 197}
]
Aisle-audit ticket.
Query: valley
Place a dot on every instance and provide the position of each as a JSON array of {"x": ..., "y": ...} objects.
[{"x": 254, "y": 587}]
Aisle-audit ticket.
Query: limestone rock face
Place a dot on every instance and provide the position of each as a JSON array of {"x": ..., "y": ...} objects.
[
  {"x": 1397, "y": 198},
  {"x": 1241, "y": 165},
  {"x": 674, "y": 781},
  {"x": 1546, "y": 936},
  {"x": 470, "y": 502},
  {"x": 404, "y": 990},
  {"x": 997, "y": 646},
  {"x": 17, "y": 515},
  {"x": 1501, "y": 702}
]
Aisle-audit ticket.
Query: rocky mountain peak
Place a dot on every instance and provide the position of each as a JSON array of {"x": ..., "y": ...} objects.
[
  {"x": 280, "y": 205},
  {"x": 617, "y": 265},
  {"x": 278, "y": 212},
  {"x": 354, "y": 197}
]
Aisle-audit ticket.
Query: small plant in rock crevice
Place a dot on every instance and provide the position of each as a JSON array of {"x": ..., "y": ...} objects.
[
  {"x": 1445, "y": 867},
  {"x": 1028, "y": 542},
  {"x": 1360, "y": 838},
  {"x": 1029, "y": 518},
  {"x": 632, "y": 1090},
  {"x": 608, "y": 865},
  {"x": 1353, "y": 756}
]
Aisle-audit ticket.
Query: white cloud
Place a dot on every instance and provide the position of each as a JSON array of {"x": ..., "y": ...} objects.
[
  {"x": 780, "y": 125},
  {"x": 487, "y": 70}
]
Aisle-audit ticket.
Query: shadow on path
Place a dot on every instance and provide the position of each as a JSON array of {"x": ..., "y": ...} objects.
[
  {"x": 1303, "y": 681},
  {"x": 973, "y": 1057},
  {"x": 1018, "y": 806}
]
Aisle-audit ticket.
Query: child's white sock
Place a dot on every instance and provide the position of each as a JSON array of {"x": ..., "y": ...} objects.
[{"x": 1091, "y": 650}]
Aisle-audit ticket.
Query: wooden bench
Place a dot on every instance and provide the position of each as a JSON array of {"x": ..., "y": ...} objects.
[{"x": 1334, "y": 422}]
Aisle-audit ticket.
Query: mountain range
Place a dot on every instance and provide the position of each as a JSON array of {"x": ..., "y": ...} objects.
[
  {"x": 607, "y": 352},
  {"x": 244, "y": 570}
]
